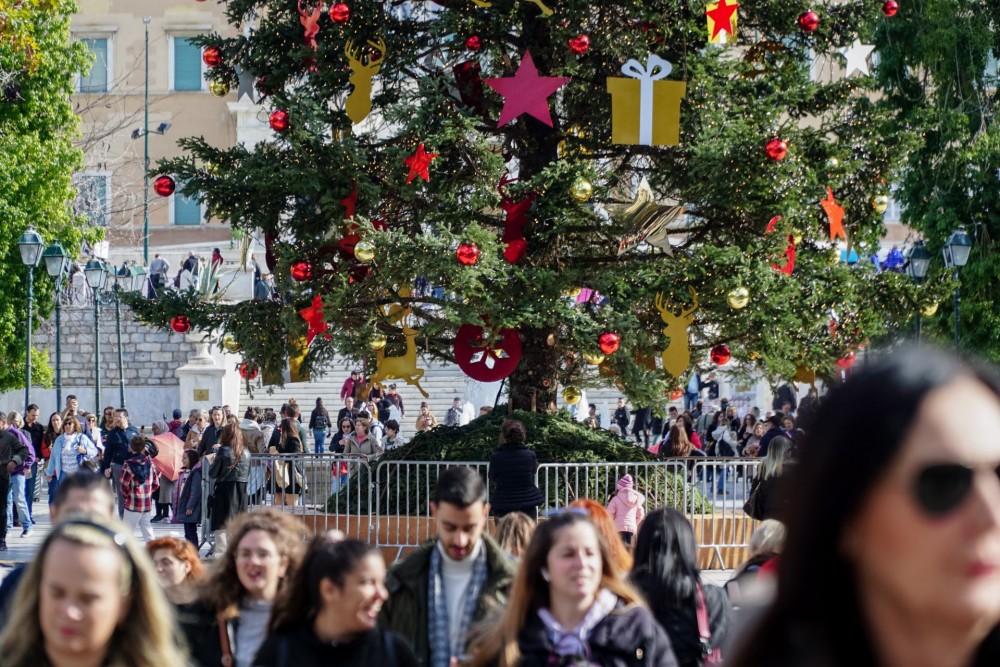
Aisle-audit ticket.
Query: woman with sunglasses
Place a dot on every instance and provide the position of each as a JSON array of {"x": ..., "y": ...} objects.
[
  {"x": 893, "y": 547},
  {"x": 328, "y": 613},
  {"x": 69, "y": 453},
  {"x": 568, "y": 607},
  {"x": 90, "y": 598}
]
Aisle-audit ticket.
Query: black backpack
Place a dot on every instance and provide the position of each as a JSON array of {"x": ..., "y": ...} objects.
[{"x": 321, "y": 421}]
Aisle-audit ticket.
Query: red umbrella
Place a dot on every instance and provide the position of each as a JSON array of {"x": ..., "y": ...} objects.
[{"x": 169, "y": 459}]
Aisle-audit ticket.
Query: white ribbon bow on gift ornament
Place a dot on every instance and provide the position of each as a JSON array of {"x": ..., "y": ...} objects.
[{"x": 656, "y": 68}]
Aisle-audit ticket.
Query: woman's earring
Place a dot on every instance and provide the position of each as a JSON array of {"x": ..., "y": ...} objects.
[{"x": 545, "y": 574}]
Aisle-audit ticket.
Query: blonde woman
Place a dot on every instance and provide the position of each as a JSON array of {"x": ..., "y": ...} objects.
[
  {"x": 567, "y": 606},
  {"x": 513, "y": 533},
  {"x": 124, "y": 619}
]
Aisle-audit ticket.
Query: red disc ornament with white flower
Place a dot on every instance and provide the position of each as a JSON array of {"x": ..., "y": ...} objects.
[{"x": 487, "y": 354}]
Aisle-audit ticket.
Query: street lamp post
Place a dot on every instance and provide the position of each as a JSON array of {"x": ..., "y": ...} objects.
[
  {"x": 127, "y": 278},
  {"x": 918, "y": 264},
  {"x": 30, "y": 244},
  {"x": 956, "y": 255},
  {"x": 56, "y": 265},
  {"x": 96, "y": 277},
  {"x": 145, "y": 162}
]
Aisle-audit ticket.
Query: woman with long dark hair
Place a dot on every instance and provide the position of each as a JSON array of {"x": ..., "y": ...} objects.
[
  {"x": 512, "y": 473},
  {"x": 319, "y": 422},
  {"x": 666, "y": 572},
  {"x": 229, "y": 472},
  {"x": 328, "y": 613},
  {"x": 893, "y": 548},
  {"x": 568, "y": 607}
]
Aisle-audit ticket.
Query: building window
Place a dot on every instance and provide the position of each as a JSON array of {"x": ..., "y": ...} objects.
[
  {"x": 186, "y": 210},
  {"x": 188, "y": 71},
  {"x": 98, "y": 78},
  {"x": 93, "y": 197}
]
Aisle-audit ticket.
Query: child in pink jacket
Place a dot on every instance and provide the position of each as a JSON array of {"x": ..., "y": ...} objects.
[{"x": 626, "y": 508}]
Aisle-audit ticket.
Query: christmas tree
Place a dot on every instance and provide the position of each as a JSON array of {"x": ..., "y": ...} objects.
[{"x": 555, "y": 191}]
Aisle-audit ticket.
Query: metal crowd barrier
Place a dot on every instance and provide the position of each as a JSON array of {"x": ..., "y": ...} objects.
[
  {"x": 403, "y": 491},
  {"x": 388, "y": 502}
]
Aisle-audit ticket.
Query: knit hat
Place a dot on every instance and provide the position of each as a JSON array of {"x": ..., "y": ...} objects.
[{"x": 625, "y": 482}]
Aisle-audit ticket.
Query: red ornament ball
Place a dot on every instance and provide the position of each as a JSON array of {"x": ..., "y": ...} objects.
[
  {"x": 776, "y": 149},
  {"x": 248, "y": 373},
  {"x": 676, "y": 394},
  {"x": 720, "y": 354},
  {"x": 212, "y": 56},
  {"x": 279, "y": 120},
  {"x": 846, "y": 361},
  {"x": 301, "y": 270},
  {"x": 467, "y": 254},
  {"x": 164, "y": 186},
  {"x": 809, "y": 21},
  {"x": 340, "y": 12},
  {"x": 609, "y": 342},
  {"x": 579, "y": 44},
  {"x": 473, "y": 43},
  {"x": 180, "y": 323},
  {"x": 890, "y": 7}
]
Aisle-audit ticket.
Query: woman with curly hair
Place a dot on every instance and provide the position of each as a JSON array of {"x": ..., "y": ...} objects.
[
  {"x": 90, "y": 597},
  {"x": 265, "y": 550}
]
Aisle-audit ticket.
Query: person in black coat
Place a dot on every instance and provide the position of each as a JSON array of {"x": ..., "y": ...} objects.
[
  {"x": 665, "y": 571},
  {"x": 327, "y": 614},
  {"x": 229, "y": 472},
  {"x": 512, "y": 473}
]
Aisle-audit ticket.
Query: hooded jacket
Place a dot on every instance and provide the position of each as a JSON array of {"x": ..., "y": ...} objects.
[
  {"x": 626, "y": 508},
  {"x": 139, "y": 483}
]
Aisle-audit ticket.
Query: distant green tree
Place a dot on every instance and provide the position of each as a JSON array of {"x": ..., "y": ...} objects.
[
  {"x": 938, "y": 68},
  {"x": 39, "y": 62}
]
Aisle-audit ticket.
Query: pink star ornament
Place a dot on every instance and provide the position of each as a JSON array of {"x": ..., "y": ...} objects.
[{"x": 526, "y": 92}]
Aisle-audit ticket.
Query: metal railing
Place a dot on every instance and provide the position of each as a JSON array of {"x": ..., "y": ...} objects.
[{"x": 387, "y": 503}]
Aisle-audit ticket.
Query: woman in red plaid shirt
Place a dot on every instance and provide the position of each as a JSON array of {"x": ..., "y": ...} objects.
[{"x": 139, "y": 484}]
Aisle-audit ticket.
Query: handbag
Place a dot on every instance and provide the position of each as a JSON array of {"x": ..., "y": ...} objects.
[
  {"x": 753, "y": 506},
  {"x": 713, "y": 656},
  {"x": 227, "y": 650}
]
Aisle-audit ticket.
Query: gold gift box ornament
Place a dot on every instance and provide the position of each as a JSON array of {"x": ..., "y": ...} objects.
[{"x": 645, "y": 109}]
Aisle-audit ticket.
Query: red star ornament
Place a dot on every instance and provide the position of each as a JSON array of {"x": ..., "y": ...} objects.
[
  {"x": 722, "y": 18},
  {"x": 526, "y": 92},
  {"x": 418, "y": 164},
  {"x": 313, "y": 315},
  {"x": 835, "y": 212}
]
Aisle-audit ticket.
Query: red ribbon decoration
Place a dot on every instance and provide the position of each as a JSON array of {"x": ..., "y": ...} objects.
[
  {"x": 310, "y": 24},
  {"x": 789, "y": 264},
  {"x": 313, "y": 315},
  {"x": 516, "y": 218}
]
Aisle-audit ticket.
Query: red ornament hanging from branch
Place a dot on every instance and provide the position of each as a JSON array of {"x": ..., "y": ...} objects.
[
  {"x": 212, "y": 56},
  {"x": 487, "y": 354},
  {"x": 808, "y": 21},
  {"x": 180, "y": 323},
  {"x": 419, "y": 163},
  {"x": 846, "y": 361},
  {"x": 164, "y": 186},
  {"x": 776, "y": 149},
  {"x": 340, "y": 13},
  {"x": 467, "y": 253},
  {"x": 248, "y": 372},
  {"x": 890, "y": 8},
  {"x": 609, "y": 342},
  {"x": 720, "y": 354},
  {"x": 279, "y": 120},
  {"x": 301, "y": 270},
  {"x": 579, "y": 44}
]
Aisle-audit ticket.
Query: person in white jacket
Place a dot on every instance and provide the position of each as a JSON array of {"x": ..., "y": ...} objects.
[{"x": 627, "y": 509}]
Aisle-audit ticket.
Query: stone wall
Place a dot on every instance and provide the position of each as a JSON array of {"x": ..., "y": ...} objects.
[{"x": 149, "y": 356}]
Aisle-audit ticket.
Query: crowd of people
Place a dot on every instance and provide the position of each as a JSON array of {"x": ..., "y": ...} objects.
[{"x": 888, "y": 554}]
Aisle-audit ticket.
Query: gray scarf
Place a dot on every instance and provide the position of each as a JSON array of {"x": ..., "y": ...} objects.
[{"x": 442, "y": 646}]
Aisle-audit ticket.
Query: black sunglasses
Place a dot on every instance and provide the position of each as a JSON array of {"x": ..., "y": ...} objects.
[{"x": 940, "y": 488}]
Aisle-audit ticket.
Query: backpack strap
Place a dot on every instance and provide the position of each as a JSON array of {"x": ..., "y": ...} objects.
[
  {"x": 227, "y": 649},
  {"x": 704, "y": 630}
]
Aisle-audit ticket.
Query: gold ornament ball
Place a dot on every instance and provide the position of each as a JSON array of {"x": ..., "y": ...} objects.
[
  {"x": 880, "y": 204},
  {"x": 377, "y": 341},
  {"x": 364, "y": 251},
  {"x": 929, "y": 310},
  {"x": 230, "y": 345},
  {"x": 573, "y": 292},
  {"x": 582, "y": 190},
  {"x": 796, "y": 236},
  {"x": 738, "y": 298},
  {"x": 219, "y": 88},
  {"x": 593, "y": 358},
  {"x": 572, "y": 395}
]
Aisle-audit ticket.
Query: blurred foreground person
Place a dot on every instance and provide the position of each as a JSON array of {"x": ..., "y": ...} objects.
[
  {"x": 327, "y": 615},
  {"x": 893, "y": 548},
  {"x": 568, "y": 607},
  {"x": 621, "y": 559},
  {"x": 90, "y": 599},
  {"x": 180, "y": 573}
]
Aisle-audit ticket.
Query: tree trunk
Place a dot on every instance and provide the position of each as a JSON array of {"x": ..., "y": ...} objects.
[{"x": 533, "y": 384}]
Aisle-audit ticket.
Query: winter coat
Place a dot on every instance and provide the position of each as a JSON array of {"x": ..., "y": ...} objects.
[
  {"x": 302, "y": 648},
  {"x": 253, "y": 436},
  {"x": 512, "y": 473},
  {"x": 319, "y": 419},
  {"x": 11, "y": 449},
  {"x": 27, "y": 463},
  {"x": 626, "y": 508},
  {"x": 139, "y": 483},
  {"x": 627, "y": 637},
  {"x": 773, "y": 495},
  {"x": 229, "y": 491},
  {"x": 405, "y": 612},
  {"x": 682, "y": 624},
  {"x": 347, "y": 389},
  {"x": 116, "y": 447},
  {"x": 187, "y": 496},
  {"x": 56, "y": 466}
]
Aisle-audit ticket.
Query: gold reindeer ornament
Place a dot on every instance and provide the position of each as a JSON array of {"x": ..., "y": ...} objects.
[
  {"x": 364, "y": 63},
  {"x": 677, "y": 357},
  {"x": 403, "y": 367}
]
